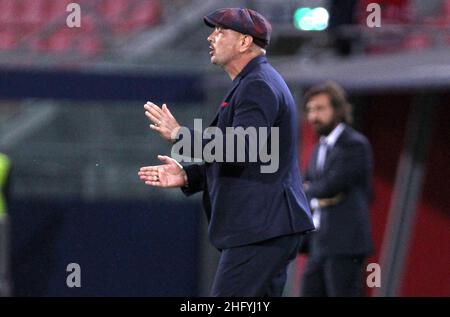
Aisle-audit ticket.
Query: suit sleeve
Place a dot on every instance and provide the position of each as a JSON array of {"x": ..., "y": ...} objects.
[
  {"x": 350, "y": 168},
  {"x": 196, "y": 179}
]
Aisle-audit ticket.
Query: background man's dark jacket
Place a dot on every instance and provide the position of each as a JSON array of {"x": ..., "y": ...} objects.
[{"x": 344, "y": 227}]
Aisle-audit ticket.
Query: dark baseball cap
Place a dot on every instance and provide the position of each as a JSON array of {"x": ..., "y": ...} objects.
[{"x": 242, "y": 20}]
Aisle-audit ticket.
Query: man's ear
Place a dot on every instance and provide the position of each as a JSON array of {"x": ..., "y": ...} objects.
[{"x": 246, "y": 42}]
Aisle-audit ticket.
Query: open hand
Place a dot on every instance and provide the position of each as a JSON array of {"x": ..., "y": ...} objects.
[{"x": 168, "y": 175}]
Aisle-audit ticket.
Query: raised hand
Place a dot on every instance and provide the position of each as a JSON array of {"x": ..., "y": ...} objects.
[
  {"x": 162, "y": 120},
  {"x": 168, "y": 175}
]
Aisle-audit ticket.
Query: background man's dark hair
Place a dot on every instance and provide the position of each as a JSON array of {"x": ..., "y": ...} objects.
[{"x": 338, "y": 99}]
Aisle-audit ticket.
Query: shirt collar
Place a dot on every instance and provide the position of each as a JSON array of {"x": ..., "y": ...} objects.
[
  {"x": 332, "y": 138},
  {"x": 250, "y": 66}
]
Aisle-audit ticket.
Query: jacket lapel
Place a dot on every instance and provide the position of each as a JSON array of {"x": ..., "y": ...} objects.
[{"x": 331, "y": 153}]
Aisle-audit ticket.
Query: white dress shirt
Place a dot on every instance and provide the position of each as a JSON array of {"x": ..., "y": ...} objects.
[{"x": 327, "y": 142}]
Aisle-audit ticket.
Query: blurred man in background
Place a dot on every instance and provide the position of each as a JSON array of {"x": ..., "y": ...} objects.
[
  {"x": 256, "y": 219},
  {"x": 337, "y": 184}
]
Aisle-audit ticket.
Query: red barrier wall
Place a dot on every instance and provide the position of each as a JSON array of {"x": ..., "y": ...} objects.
[{"x": 427, "y": 269}]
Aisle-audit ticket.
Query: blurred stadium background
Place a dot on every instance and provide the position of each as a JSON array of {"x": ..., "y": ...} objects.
[{"x": 72, "y": 123}]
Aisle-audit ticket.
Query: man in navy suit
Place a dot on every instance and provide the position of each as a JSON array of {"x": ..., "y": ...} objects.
[
  {"x": 256, "y": 217},
  {"x": 337, "y": 184}
]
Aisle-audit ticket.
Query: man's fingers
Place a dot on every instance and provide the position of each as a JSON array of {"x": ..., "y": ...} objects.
[
  {"x": 164, "y": 159},
  {"x": 149, "y": 178},
  {"x": 152, "y": 117},
  {"x": 167, "y": 111},
  {"x": 156, "y": 114},
  {"x": 155, "y": 184},
  {"x": 148, "y": 173},
  {"x": 168, "y": 160},
  {"x": 150, "y": 106},
  {"x": 154, "y": 127},
  {"x": 148, "y": 168}
]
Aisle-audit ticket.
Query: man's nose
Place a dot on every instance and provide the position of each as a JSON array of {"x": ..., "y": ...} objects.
[
  {"x": 210, "y": 37},
  {"x": 311, "y": 116}
]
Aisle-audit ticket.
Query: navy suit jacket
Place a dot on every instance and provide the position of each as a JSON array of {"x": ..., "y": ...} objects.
[
  {"x": 345, "y": 227},
  {"x": 242, "y": 204}
]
